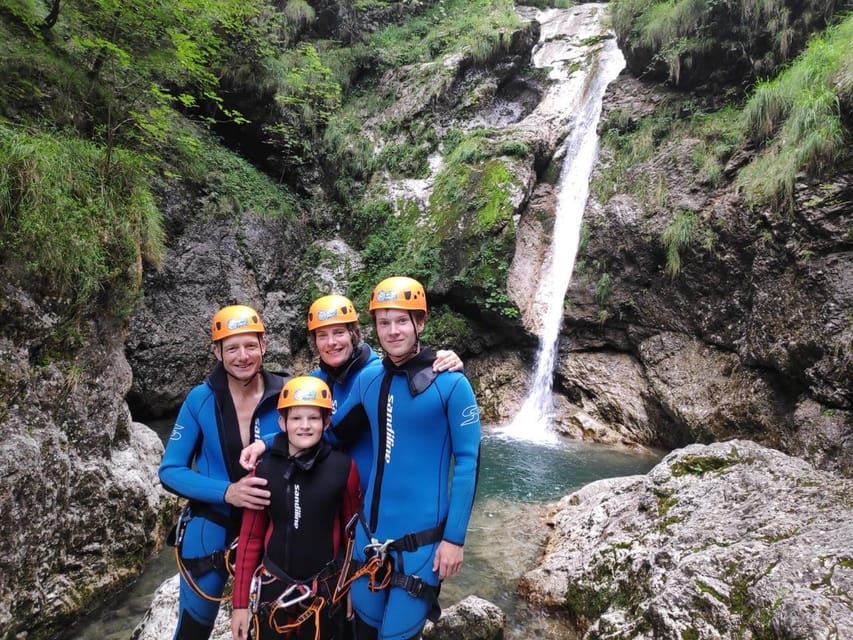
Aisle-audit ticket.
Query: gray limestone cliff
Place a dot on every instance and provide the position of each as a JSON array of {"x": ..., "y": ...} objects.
[{"x": 82, "y": 506}]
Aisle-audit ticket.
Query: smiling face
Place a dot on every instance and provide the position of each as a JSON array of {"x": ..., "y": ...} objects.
[
  {"x": 334, "y": 344},
  {"x": 304, "y": 426},
  {"x": 397, "y": 333},
  {"x": 242, "y": 355}
]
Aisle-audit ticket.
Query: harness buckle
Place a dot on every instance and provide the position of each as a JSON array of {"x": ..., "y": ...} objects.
[
  {"x": 414, "y": 586},
  {"x": 408, "y": 542}
]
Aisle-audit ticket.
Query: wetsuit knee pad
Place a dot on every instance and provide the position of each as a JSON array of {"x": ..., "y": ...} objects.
[
  {"x": 364, "y": 631},
  {"x": 191, "y": 629}
]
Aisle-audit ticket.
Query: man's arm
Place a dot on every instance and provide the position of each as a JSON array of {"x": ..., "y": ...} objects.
[
  {"x": 176, "y": 472},
  {"x": 463, "y": 416}
]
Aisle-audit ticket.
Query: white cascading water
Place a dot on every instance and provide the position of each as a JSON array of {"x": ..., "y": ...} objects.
[{"x": 581, "y": 150}]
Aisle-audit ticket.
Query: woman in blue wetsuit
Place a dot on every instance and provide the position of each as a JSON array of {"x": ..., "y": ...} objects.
[
  {"x": 425, "y": 429},
  {"x": 234, "y": 405}
]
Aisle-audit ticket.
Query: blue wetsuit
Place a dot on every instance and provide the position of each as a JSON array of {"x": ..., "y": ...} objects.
[
  {"x": 349, "y": 429},
  {"x": 426, "y": 431},
  {"x": 200, "y": 461}
]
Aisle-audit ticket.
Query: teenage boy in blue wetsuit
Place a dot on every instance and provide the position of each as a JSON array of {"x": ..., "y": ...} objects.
[
  {"x": 291, "y": 553},
  {"x": 425, "y": 428},
  {"x": 335, "y": 333},
  {"x": 234, "y": 405}
]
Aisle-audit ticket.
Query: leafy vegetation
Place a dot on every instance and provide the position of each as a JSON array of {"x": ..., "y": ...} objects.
[
  {"x": 472, "y": 191},
  {"x": 680, "y": 232},
  {"x": 798, "y": 119},
  {"x": 306, "y": 96},
  {"x": 77, "y": 224},
  {"x": 479, "y": 28}
]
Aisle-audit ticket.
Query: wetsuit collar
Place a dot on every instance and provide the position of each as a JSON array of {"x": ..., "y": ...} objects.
[
  {"x": 338, "y": 375},
  {"x": 418, "y": 370},
  {"x": 304, "y": 460}
]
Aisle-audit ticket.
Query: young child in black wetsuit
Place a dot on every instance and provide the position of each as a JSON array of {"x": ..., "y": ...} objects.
[{"x": 289, "y": 554}]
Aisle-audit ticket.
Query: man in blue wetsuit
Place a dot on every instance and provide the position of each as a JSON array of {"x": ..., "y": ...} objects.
[
  {"x": 233, "y": 406},
  {"x": 425, "y": 429}
]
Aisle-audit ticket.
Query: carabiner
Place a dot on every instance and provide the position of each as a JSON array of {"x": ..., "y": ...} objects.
[
  {"x": 181, "y": 526},
  {"x": 255, "y": 592},
  {"x": 306, "y": 592}
]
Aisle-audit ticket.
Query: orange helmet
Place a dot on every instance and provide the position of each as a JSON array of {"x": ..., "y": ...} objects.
[
  {"x": 399, "y": 292},
  {"x": 238, "y": 318},
  {"x": 332, "y": 309},
  {"x": 304, "y": 391}
]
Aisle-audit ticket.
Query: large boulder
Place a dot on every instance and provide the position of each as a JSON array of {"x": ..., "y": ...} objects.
[
  {"x": 728, "y": 540},
  {"x": 82, "y": 506}
]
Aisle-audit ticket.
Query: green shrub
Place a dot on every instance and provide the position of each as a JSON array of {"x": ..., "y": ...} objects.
[
  {"x": 676, "y": 237},
  {"x": 73, "y": 224},
  {"x": 798, "y": 118}
]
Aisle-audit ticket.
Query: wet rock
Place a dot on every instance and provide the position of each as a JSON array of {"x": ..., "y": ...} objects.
[{"x": 472, "y": 619}]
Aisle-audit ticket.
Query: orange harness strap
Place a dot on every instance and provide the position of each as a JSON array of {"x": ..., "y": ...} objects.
[
  {"x": 187, "y": 576},
  {"x": 371, "y": 568}
]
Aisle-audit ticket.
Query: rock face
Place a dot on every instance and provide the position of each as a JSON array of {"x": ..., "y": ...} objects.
[
  {"x": 747, "y": 340},
  {"x": 739, "y": 42},
  {"x": 728, "y": 540},
  {"x": 214, "y": 261},
  {"x": 82, "y": 506}
]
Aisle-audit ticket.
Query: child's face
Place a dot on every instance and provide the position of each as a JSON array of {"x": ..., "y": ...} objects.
[{"x": 304, "y": 427}]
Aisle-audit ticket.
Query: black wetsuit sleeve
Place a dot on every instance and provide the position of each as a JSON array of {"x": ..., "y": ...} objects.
[{"x": 350, "y": 428}]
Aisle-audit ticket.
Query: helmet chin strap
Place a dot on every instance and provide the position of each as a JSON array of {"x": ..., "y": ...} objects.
[{"x": 416, "y": 348}]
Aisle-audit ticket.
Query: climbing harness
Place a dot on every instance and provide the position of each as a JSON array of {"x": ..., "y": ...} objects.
[
  {"x": 379, "y": 565},
  {"x": 216, "y": 561},
  {"x": 298, "y": 602}
]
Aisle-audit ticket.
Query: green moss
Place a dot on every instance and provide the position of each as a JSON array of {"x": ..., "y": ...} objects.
[
  {"x": 698, "y": 465},
  {"x": 665, "y": 502},
  {"x": 690, "y": 633},
  {"x": 706, "y": 588},
  {"x": 447, "y": 329}
]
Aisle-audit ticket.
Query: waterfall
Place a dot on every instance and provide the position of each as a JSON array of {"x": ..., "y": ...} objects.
[{"x": 581, "y": 150}]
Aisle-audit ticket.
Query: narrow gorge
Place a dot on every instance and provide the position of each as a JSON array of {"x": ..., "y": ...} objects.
[{"x": 708, "y": 314}]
